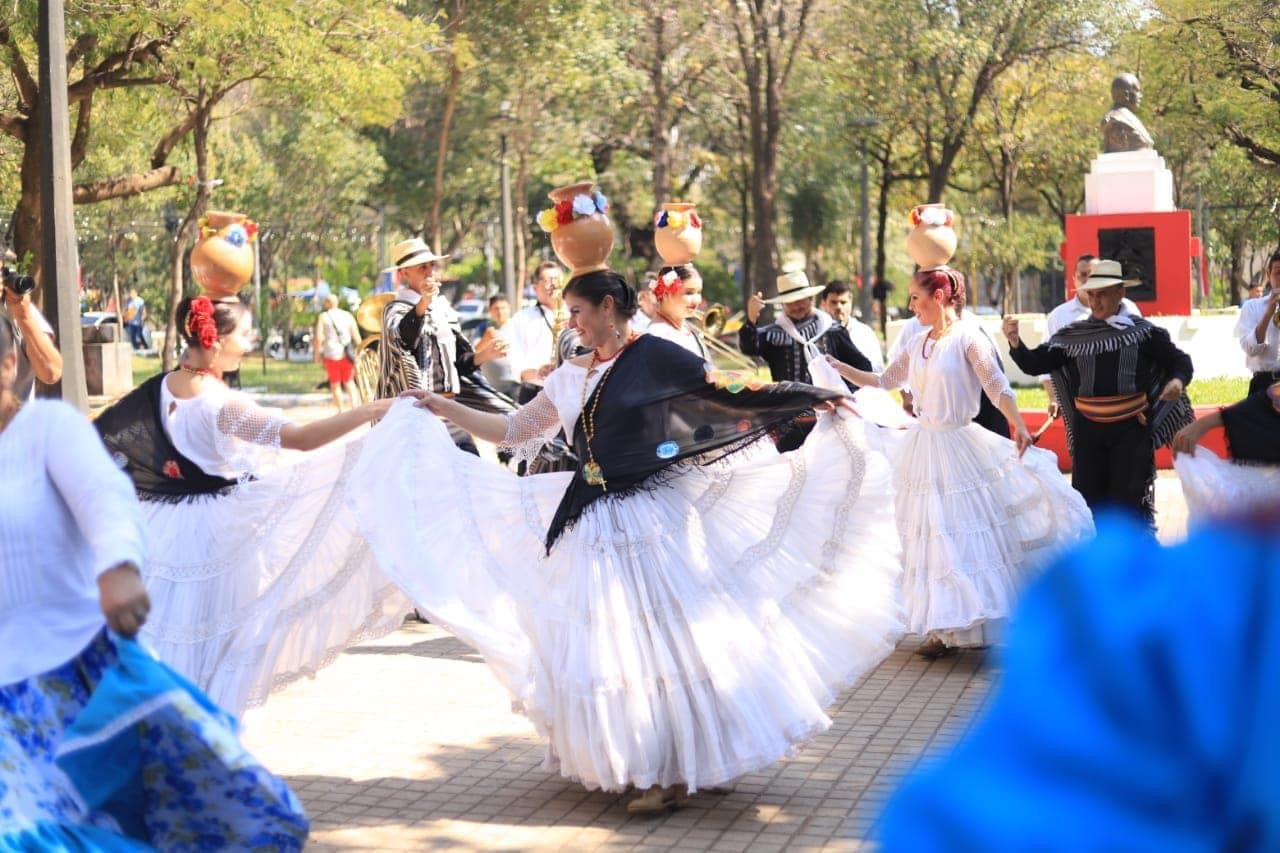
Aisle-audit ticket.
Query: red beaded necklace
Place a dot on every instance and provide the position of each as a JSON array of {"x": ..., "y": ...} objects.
[{"x": 200, "y": 371}]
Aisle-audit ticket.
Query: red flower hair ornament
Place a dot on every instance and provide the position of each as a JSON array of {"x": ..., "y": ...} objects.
[
  {"x": 200, "y": 325},
  {"x": 669, "y": 284}
]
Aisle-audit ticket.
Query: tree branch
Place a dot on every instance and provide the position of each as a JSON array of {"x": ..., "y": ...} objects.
[
  {"x": 80, "y": 141},
  {"x": 124, "y": 186},
  {"x": 14, "y": 126},
  {"x": 28, "y": 93}
]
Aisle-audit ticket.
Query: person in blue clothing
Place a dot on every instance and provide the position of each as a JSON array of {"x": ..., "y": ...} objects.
[{"x": 1136, "y": 709}]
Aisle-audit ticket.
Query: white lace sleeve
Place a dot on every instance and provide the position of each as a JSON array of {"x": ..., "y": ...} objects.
[
  {"x": 981, "y": 355},
  {"x": 530, "y": 427},
  {"x": 897, "y": 371},
  {"x": 246, "y": 436}
]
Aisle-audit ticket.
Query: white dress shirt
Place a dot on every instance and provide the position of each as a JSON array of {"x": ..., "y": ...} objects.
[
  {"x": 1258, "y": 357},
  {"x": 529, "y": 338},
  {"x": 864, "y": 338},
  {"x": 1073, "y": 311},
  {"x": 67, "y": 514}
]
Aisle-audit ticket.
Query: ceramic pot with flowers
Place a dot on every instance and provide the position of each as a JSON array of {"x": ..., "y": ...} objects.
[
  {"x": 677, "y": 233},
  {"x": 581, "y": 234},
  {"x": 932, "y": 241},
  {"x": 222, "y": 261}
]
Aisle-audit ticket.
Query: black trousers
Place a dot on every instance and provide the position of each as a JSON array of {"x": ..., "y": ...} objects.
[
  {"x": 1263, "y": 380},
  {"x": 1114, "y": 466}
]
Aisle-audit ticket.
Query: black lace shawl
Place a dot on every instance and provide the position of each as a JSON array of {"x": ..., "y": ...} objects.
[
  {"x": 135, "y": 438},
  {"x": 658, "y": 407},
  {"x": 1253, "y": 427}
]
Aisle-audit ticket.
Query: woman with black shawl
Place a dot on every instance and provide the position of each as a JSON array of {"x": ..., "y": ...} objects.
[
  {"x": 679, "y": 609},
  {"x": 257, "y": 570},
  {"x": 1215, "y": 488}
]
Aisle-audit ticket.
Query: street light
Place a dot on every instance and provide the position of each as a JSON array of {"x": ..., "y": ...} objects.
[
  {"x": 508, "y": 232},
  {"x": 865, "y": 124}
]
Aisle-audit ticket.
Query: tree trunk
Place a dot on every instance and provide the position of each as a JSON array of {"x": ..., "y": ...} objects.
[
  {"x": 882, "y": 222},
  {"x": 1239, "y": 252},
  {"x": 200, "y": 140},
  {"x": 442, "y": 150},
  {"x": 659, "y": 125},
  {"x": 27, "y": 219}
]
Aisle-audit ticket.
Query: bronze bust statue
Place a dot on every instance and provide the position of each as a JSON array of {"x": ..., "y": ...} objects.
[{"x": 1122, "y": 130}]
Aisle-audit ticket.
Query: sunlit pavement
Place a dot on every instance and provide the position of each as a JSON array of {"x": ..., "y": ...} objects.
[{"x": 408, "y": 743}]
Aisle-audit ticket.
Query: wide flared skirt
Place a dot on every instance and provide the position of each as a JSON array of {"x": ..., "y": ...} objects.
[
  {"x": 1215, "y": 487},
  {"x": 975, "y": 523},
  {"x": 688, "y": 632},
  {"x": 111, "y": 752},
  {"x": 256, "y": 588}
]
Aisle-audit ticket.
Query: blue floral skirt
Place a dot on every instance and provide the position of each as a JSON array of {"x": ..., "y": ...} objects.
[{"x": 113, "y": 751}]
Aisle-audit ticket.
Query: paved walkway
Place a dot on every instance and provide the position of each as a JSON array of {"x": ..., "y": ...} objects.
[{"x": 408, "y": 743}]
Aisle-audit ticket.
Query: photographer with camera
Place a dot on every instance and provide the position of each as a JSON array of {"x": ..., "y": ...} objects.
[{"x": 38, "y": 356}]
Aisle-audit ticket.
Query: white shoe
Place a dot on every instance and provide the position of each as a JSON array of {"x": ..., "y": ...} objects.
[{"x": 656, "y": 800}]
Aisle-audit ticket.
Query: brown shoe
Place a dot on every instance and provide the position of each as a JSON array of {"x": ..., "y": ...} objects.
[
  {"x": 656, "y": 800},
  {"x": 933, "y": 648}
]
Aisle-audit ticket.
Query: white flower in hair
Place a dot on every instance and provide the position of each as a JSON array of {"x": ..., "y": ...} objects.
[
  {"x": 584, "y": 205},
  {"x": 935, "y": 216}
]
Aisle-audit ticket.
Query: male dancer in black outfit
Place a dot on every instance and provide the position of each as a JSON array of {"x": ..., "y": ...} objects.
[
  {"x": 798, "y": 334},
  {"x": 1122, "y": 386}
]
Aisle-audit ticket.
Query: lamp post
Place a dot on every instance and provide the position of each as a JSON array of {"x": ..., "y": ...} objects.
[
  {"x": 508, "y": 231},
  {"x": 865, "y": 124}
]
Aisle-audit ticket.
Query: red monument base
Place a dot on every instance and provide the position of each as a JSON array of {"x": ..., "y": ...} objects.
[{"x": 1157, "y": 248}]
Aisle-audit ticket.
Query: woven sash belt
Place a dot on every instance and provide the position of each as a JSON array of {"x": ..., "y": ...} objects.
[{"x": 1110, "y": 410}]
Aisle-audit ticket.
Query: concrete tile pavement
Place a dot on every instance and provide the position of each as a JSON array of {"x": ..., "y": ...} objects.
[{"x": 407, "y": 743}]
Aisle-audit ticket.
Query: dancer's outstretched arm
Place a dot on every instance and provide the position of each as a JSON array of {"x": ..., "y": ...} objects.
[
  {"x": 483, "y": 425},
  {"x": 319, "y": 433}
]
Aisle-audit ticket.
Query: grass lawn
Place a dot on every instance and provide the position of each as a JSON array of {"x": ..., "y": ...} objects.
[
  {"x": 1204, "y": 392},
  {"x": 282, "y": 377},
  {"x": 296, "y": 377}
]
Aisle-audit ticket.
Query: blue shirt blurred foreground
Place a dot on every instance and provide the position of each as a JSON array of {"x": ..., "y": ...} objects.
[{"x": 1137, "y": 709}]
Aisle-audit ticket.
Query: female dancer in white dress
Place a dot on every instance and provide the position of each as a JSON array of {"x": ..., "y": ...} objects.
[
  {"x": 974, "y": 519},
  {"x": 678, "y": 291},
  {"x": 257, "y": 572},
  {"x": 667, "y": 623}
]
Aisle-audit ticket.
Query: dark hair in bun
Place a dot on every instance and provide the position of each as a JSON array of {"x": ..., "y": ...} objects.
[{"x": 595, "y": 286}]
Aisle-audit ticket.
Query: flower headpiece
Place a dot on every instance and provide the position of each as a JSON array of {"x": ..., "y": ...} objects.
[
  {"x": 675, "y": 219},
  {"x": 237, "y": 234},
  {"x": 925, "y": 214},
  {"x": 200, "y": 324},
  {"x": 568, "y": 210},
  {"x": 668, "y": 284}
]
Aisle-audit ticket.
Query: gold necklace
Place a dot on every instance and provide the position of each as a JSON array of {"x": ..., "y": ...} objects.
[{"x": 591, "y": 471}]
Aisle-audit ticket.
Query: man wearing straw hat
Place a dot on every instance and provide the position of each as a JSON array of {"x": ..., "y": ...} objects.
[
  {"x": 423, "y": 347},
  {"x": 798, "y": 335},
  {"x": 1122, "y": 386}
]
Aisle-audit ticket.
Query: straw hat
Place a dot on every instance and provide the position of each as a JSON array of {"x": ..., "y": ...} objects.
[
  {"x": 411, "y": 253},
  {"x": 1108, "y": 274},
  {"x": 792, "y": 287}
]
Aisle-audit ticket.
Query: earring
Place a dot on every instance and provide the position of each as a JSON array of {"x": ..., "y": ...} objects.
[{"x": 616, "y": 334}]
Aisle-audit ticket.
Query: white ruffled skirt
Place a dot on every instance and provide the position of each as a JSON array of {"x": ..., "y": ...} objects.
[
  {"x": 256, "y": 588},
  {"x": 1215, "y": 487},
  {"x": 975, "y": 523},
  {"x": 686, "y": 633}
]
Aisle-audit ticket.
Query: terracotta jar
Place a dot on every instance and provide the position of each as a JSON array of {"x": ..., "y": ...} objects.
[
  {"x": 931, "y": 245},
  {"x": 222, "y": 262},
  {"x": 584, "y": 244},
  {"x": 678, "y": 245}
]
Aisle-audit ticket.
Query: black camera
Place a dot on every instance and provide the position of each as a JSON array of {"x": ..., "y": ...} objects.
[{"x": 19, "y": 284}]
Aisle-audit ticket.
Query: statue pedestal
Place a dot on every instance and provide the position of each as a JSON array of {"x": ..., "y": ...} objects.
[
  {"x": 1128, "y": 182},
  {"x": 1156, "y": 247}
]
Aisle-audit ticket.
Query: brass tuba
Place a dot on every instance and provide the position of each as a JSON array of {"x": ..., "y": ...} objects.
[{"x": 710, "y": 325}]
